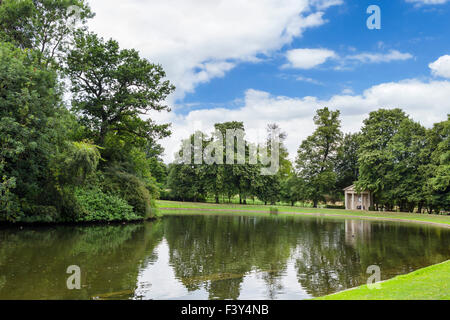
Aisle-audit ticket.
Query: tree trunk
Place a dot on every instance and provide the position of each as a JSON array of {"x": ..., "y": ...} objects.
[{"x": 419, "y": 207}]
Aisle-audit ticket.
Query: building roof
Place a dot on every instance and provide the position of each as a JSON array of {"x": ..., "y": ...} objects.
[{"x": 350, "y": 188}]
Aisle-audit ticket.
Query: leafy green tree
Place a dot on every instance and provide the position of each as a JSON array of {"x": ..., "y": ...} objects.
[
  {"x": 293, "y": 189},
  {"x": 236, "y": 178},
  {"x": 374, "y": 160},
  {"x": 45, "y": 26},
  {"x": 403, "y": 183},
  {"x": 186, "y": 181},
  {"x": 112, "y": 88},
  {"x": 213, "y": 174},
  {"x": 437, "y": 170},
  {"x": 131, "y": 188},
  {"x": 158, "y": 170},
  {"x": 269, "y": 189},
  {"x": 286, "y": 168},
  {"x": 31, "y": 130},
  {"x": 317, "y": 154},
  {"x": 346, "y": 166}
]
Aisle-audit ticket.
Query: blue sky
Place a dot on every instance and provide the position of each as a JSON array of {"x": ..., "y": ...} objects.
[
  {"x": 266, "y": 61},
  {"x": 421, "y": 31}
]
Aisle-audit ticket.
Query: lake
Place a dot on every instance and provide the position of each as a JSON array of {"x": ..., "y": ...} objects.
[{"x": 212, "y": 257}]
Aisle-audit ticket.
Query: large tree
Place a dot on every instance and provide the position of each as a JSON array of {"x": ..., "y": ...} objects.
[
  {"x": 46, "y": 26},
  {"x": 32, "y": 131},
  {"x": 316, "y": 155},
  {"x": 437, "y": 170},
  {"x": 113, "y": 88},
  {"x": 346, "y": 166},
  {"x": 293, "y": 189},
  {"x": 403, "y": 183},
  {"x": 374, "y": 160}
]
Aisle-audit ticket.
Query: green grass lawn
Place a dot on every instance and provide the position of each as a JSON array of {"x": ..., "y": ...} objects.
[
  {"x": 289, "y": 210},
  {"x": 431, "y": 283}
]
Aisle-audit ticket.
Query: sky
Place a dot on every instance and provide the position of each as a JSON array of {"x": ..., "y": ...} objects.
[{"x": 278, "y": 61}]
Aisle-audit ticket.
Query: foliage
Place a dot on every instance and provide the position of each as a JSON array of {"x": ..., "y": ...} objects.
[
  {"x": 184, "y": 183},
  {"x": 404, "y": 164},
  {"x": 98, "y": 206},
  {"x": 293, "y": 189},
  {"x": 9, "y": 205},
  {"x": 113, "y": 87},
  {"x": 347, "y": 166},
  {"x": 317, "y": 154},
  {"x": 30, "y": 106},
  {"x": 437, "y": 170},
  {"x": 374, "y": 164},
  {"x": 45, "y": 26},
  {"x": 49, "y": 153},
  {"x": 130, "y": 188},
  {"x": 79, "y": 161}
]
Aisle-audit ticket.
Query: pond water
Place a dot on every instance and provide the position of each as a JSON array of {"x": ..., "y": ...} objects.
[{"x": 212, "y": 257}]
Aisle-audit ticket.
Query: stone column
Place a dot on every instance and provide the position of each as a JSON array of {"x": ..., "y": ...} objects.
[
  {"x": 353, "y": 201},
  {"x": 367, "y": 201},
  {"x": 345, "y": 201}
]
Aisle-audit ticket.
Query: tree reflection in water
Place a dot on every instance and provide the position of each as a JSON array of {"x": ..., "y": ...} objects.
[{"x": 215, "y": 257}]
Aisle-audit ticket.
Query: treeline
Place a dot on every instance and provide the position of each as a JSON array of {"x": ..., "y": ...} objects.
[
  {"x": 404, "y": 165},
  {"x": 91, "y": 160}
]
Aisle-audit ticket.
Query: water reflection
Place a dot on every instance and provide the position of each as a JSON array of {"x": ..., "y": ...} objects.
[{"x": 212, "y": 257}]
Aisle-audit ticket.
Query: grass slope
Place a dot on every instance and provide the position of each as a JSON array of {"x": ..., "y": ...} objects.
[
  {"x": 169, "y": 207},
  {"x": 430, "y": 283}
]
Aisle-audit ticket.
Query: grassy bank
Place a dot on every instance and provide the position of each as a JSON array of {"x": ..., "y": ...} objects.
[
  {"x": 430, "y": 283},
  {"x": 172, "y": 207}
]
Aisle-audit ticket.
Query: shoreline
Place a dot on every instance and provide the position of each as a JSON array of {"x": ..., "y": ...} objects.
[
  {"x": 40, "y": 224},
  {"x": 312, "y": 214}
]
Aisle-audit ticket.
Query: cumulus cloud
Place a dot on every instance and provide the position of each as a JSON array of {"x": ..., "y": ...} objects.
[
  {"x": 197, "y": 40},
  {"x": 441, "y": 67},
  {"x": 426, "y": 102},
  {"x": 307, "y": 58}
]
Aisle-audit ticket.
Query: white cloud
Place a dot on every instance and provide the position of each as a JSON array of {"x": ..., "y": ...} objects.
[
  {"x": 425, "y": 2},
  {"x": 347, "y": 91},
  {"x": 309, "y": 80},
  {"x": 426, "y": 102},
  {"x": 393, "y": 55},
  {"x": 307, "y": 58},
  {"x": 197, "y": 40},
  {"x": 325, "y": 4},
  {"x": 311, "y": 58},
  {"x": 441, "y": 67}
]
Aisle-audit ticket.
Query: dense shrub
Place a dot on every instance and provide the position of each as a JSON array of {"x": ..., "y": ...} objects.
[
  {"x": 39, "y": 214},
  {"x": 130, "y": 188},
  {"x": 96, "y": 205}
]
